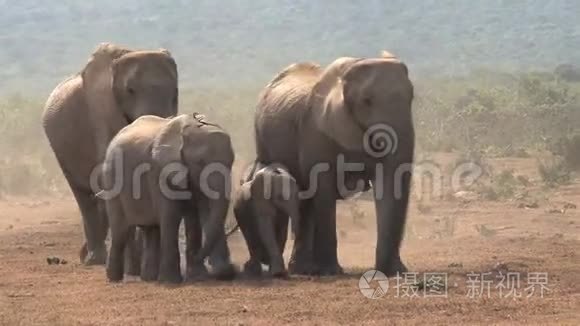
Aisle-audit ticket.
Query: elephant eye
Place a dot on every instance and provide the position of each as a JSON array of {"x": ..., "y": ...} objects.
[
  {"x": 368, "y": 101},
  {"x": 131, "y": 90}
]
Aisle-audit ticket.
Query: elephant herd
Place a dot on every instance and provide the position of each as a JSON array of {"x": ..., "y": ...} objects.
[{"x": 137, "y": 167}]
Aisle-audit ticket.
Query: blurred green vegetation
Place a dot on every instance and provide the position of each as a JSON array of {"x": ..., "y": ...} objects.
[{"x": 492, "y": 113}]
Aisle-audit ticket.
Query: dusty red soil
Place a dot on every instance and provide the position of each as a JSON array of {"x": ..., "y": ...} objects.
[{"x": 516, "y": 240}]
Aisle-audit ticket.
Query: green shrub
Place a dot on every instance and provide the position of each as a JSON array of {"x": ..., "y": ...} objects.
[
  {"x": 554, "y": 172},
  {"x": 569, "y": 148}
]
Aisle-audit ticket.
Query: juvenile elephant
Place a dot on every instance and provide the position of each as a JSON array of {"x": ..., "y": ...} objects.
[
  {"x": 266, "y": 199},
  {"x": 85, "y": 111},
  {"x": 156, "y": 172},
  {"x": 314, "y": 121}
]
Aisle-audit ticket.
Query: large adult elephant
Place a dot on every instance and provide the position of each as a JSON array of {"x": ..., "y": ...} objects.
[
  {"x": 85, "y": 111},
  {"x": 314, "y": 121}
]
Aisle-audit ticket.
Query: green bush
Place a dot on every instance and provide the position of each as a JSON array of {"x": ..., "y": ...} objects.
[
  {"x": 569, "y": 148},
  {"x": 554, "y": 172},
  {"x": 500, "y": 114}
]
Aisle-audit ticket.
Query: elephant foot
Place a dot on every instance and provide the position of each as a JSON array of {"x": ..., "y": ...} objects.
[
  {"x": 95, "y": 257},
  {"x": 133, "y": 271},
  {"x": 225, "y": 272},
  {"x": 253, "y": 269},
  {"x": 328, "y": 270},
  {"x": 150, "y": 271},
  {"x": 278, "y": 272},
  {"x": 133, "y": 267},
  {"x": 277, "y": 268},
  {"x": 114, "y": 273},
  {"x": 173, "y": 277},
  {"x": 196, "y": 273},
  {"x": 133, "y": 261},
  {"x": 395, "y": 268},
  {"x": 301, "y": 268},
  {"x": 149, "y": 275}
]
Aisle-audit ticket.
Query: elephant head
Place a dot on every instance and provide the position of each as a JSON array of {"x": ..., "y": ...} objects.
[
  {"x": 356, "y": 94},
  {"x": 274, "y": 189},
  {"x": 205, "y": 150},
  {"x": 128, "y": 83}
]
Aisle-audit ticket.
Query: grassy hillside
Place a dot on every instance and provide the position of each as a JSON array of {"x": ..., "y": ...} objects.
[{"x": 245, "y": 42}]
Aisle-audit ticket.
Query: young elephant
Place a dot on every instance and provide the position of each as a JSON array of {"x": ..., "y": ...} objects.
[
  {"x": 157, "y": 171},
  {"x": 267, "y": 197}
]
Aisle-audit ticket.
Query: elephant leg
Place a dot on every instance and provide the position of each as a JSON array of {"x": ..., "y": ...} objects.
[
  {"x": 150, "y": 261},
  {"x": 169, "y": 270},
  {"x": 325, "y": 244},
  {"x": 193, "y": 235},
  {"x": 301, "y": 259},
  {"x": 391, "y": 209},
  {"x": 219, "y": 259},
  {"x": 268, "y": 237},
  {"x": 281, "y": 227},
  {"x": 94, "y": 250},
  {"x": 120, "y": 232},
  {"x": 253, "y": 267},
  {"x": 247, "y": 223},
  {"x": 133, "y": 252}
]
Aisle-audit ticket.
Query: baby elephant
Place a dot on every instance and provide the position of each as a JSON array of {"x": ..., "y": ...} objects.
[
  {"x": 268, "y": 196},
  {"x": 156, "y": 172}
]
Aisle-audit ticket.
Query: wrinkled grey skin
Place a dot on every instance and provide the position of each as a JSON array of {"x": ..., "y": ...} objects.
[
  {"x": 85, "y": 111},
  {"x": 268, "y": 196},
  {"x": 156, "y": 146},
  {"x": 307, "y": 116}
]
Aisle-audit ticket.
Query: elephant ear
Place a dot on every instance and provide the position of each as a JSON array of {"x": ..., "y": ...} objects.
[
  {"x": 165, "y": 51},
  {"x": 97, "y": 75},
  {"x": 168, "y": 145},
  {"x": 336, "y": 119},
  {"x": 387, "y": 55},
  {"x": 391, "y": 57}
]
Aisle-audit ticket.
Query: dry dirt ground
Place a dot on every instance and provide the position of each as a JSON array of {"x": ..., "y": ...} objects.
[{"x": 460, "y": 241}]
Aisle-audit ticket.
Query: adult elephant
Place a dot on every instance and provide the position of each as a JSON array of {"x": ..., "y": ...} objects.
[
  {"x": 314, "y": 121},
  {"x": 85, "y": 111}
]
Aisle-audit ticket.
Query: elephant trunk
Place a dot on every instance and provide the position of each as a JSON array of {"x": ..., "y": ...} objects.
[
  {"x": 392, "y": 194},
  {"x": 218, "y": 205},
  {"x": 293, "y": 210}
]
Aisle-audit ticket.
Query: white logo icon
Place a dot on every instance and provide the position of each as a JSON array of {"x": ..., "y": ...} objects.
[
  {"x": 367, "y": 284},
  {"x": 380, "y": 140}
]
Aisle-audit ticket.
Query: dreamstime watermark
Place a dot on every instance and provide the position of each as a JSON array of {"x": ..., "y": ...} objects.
[
  {"x": 374, "y": 284},
  {"x": 108, "y": 180},
  {"x": 380, "y": 140},
  {"x": 383, "y": 175}
]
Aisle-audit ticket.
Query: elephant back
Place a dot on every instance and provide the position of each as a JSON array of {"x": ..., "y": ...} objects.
[{"x": 300, "y": 70}]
